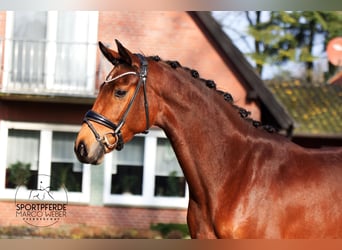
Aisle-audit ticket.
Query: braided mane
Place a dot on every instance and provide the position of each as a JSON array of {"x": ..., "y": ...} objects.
[{"x": 227, "y": 96}]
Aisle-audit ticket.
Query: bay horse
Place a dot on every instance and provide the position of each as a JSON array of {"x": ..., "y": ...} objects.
[{"x": 244, "y": 181}]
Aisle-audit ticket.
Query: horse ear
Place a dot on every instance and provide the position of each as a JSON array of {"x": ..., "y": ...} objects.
[
  {"x": 124, "y": 53},
  {"x": 111, "y": 55}
]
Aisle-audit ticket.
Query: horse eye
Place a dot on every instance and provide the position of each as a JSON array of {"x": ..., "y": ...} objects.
[{"x": 120, "y": 93}]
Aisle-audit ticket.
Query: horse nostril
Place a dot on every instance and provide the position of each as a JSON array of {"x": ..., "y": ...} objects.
[{"x": 82, "y": 150}]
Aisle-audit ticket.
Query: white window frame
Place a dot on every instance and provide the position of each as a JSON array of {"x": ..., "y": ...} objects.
[
  {"x": 147, "y": 198},
  {"x": 51, "y": 48},
  {"x": 45, "y": 153}
]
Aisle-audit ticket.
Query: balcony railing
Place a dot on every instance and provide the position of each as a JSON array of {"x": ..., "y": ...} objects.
[{"x": 48, "y": 67}]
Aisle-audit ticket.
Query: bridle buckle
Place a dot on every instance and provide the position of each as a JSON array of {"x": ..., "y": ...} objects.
[{"x": 106, "y": 142}]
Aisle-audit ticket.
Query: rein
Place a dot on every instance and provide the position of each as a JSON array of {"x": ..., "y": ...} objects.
[{"x": 100, "y": 119}]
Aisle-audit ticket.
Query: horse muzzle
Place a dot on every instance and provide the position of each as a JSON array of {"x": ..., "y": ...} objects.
[{"x": 89, "y": 154}]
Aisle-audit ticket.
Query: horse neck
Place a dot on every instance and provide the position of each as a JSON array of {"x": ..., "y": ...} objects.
[{"x": 204, "y": 129}]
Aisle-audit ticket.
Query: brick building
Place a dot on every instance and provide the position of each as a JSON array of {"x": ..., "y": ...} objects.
[{"x": 50, "y": 73}]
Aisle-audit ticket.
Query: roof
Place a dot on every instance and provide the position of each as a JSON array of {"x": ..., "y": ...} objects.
[
  {"x": 249, "y": 77},
  {"x": 315, "y": 108}
]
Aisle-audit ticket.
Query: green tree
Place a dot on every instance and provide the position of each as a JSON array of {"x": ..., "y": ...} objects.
[{"x": 291, "y": 36}]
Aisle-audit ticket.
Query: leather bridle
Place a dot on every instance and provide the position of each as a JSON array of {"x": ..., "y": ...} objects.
[{"x": 100, "y": 119}]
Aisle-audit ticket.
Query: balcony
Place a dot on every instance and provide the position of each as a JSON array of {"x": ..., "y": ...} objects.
[{"x": 48, "y": 68}]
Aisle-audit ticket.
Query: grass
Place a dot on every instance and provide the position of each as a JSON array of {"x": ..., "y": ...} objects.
[
  {"x": 171, "y": 230},
  {"x": 76, "y": 232}
]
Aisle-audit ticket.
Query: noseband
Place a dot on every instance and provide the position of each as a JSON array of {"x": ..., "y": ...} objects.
[{"x": 100, "y": 119}]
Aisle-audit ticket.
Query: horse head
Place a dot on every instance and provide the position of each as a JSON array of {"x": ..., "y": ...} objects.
[{"x": 121, "y": 108}]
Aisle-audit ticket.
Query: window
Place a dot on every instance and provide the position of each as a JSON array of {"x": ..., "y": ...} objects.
[
  {"x": 169, "y": 179},
  {"x": 66, "y": 171},
  {"x": 22, "y": 154},
  {"x": 29, "y": 34},
  {"x": 29, "y": 150},
  {"x": 127, "y": 169},
  {"x": 145, "y": 173},
  {"x": 44, "y": 50}
]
